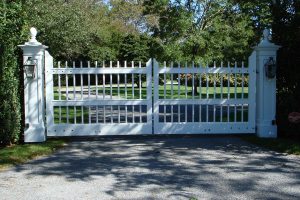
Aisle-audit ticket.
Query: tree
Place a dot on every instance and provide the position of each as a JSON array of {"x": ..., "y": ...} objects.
[{"x": 135, "y": 48}]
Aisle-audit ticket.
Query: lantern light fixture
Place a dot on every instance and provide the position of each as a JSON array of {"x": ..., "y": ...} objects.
[
  {"x": 30, "y": 67},
  {"x": 270, "y": 68}
]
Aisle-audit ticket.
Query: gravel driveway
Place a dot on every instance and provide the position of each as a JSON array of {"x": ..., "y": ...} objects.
[{"x": 177, "y": 167}]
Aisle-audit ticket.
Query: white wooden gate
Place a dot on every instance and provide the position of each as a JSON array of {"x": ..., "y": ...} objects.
[
  {"x": 98, "y": 99},
  {"x": 224, "y": 101},
  {"x": 109, "y": 98}
]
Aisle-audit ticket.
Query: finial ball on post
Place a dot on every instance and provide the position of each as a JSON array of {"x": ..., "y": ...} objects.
[
  {"x": 33, "y": 32},
  {"x": 266, "y": 34}
]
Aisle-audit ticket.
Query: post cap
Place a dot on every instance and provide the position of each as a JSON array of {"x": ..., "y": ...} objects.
[
  {"x": 265, "y": 43},
  {"x": 266, "y": 34},
  {"x": 33, "y": 41}
]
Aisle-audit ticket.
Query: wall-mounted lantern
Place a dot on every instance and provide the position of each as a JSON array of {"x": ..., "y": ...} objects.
[
  {"x": 270, "y": 68},
  {"x": 30, "y": 67}
]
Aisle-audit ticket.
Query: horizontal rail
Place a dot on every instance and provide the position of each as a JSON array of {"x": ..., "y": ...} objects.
[
  {"x": 203, "y": 70},
  {"x": 103, "y": 102},
  {"x": 203, "y": 101},
  {"x": 99, "y": 71}
]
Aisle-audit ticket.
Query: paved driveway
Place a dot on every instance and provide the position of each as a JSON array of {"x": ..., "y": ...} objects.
[{"x": 156, "y": 168}]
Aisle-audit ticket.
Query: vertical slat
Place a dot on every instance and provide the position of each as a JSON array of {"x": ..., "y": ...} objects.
[
  {"x": 193, "y": 83},
  {"x": 221, "y": 113},
  {"x": 67, "y": 83},
  {"x": 97, "y": 115},
  {"x": 172, "y": 82},
  {"x": 214, "y": 115},
  {"x": 140, "y": 80},
  {"x": 132, "y": 85},
  {"x": 200, "y": 113},
  {"x": 126, "y": 96},
  {"x": 132, "y": 80},
  {"x": 67, "y": 113},
  {"x": 165, "y": 117},
  {"x": 59, "y": 84},
  {"x": 67, "y": 92},
  {"x": 125, "y": 65},
  {"x": 172, "y": 117},
  {"x": 140, "y": 113},
  {"x": 75, "y": 115},
  {"x": 150, "y": 101},
  {"x": 215, "y": 77},
  {"x": 82, "y": 115},
  {"x": 193, "y": 112},
  {"x": 49, "y": 89},
  {"x": 155, "y": 92},
  {"x": 126, "y": 114},
  {"x": 185, "y": 81},
  {"x": 60, "y": 114},
  {"x": 186, "y": 107},
  {"x": 221, "y": 83},
  {"x": 89, "y": 82},
  {"x": 243, "y": 80},
  {"x": 206, "y": 112},
  {"x": 96, "y": 76},
  {"x": 242, "y": 113},
  {"x": 207, "y": 85},
  {"x": 179, "y": 78},
  {"x": 133, "y": 120},
  {"x": 118, "y": 80},
  {"x": 104, "y": 114},
  {"x": 235, "y": 82},
  {"x": 111, "y": 114},
  {"x": 110, "y": 81},
  {"x": 119, "y": 114},
  {"x": 90, "y": 119},
  {"x": 165, "y": 90},
  {"x": 200, "y": 84},
  {"x": 81, "y": 82},
  {"x": 103, "y": 82},
  {"x": 74, "y": 84},
  {"x": 228, "y": 81},
  {"x": 235, "y": 113},
  {"x": 228, "y": 109}
]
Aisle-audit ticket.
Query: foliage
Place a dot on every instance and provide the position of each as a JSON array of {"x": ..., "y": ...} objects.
[
  {"x": 280, "y": 144},
  {"x": 11, "y": 34},
  {"x": 201, "y": 31},
  {"x": 286, "y": 32}
]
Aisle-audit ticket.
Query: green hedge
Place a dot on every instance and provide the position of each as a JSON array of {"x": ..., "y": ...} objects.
[{"x": 11, "y": 29}]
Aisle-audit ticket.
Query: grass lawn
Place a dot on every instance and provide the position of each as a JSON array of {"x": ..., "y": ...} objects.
[
  {"x": 282, "y": 145},
  {"x": 18, "y": 154}
]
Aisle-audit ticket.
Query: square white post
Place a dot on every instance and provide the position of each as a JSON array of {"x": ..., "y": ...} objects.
[
  {"x": 266, "y": 89},
  {"x": 34, "y": 90}
]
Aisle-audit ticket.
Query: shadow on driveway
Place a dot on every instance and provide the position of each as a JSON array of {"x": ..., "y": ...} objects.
[{"x": 178, "y": 167}]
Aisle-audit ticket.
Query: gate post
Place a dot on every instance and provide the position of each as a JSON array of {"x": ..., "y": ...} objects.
[
  {"x": 33, "y": 63},
  {"x": 266, "y": 87}
]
